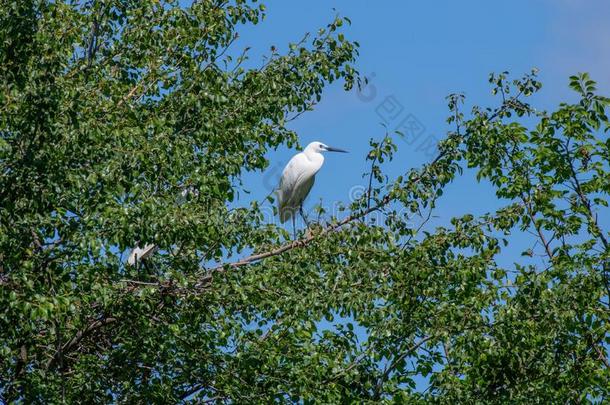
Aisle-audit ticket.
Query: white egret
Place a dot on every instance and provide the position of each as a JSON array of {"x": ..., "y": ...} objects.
[
  {"x": 298, "y": 178},
  {"x": 137, "y": 254}
]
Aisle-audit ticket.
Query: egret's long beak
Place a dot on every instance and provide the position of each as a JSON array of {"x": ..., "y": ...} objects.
[{"x": 331, "y": 149}]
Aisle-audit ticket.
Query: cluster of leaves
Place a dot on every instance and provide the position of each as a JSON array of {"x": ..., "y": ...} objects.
[{"x": 110, "y": 111}]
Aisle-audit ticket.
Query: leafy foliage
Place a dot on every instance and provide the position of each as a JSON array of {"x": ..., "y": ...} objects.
[{"x": 110, "y": 111}]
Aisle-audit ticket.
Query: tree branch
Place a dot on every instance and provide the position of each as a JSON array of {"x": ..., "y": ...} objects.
[
  {"x": 394, "y": 363},
  {"x": 585, "y": 201},
  {"x": 303, "y": 241},
  {"x": 541, "y": 236},
  {"x": 72, "y": 343}
]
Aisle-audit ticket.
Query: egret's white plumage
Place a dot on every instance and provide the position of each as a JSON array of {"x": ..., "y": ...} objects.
[
  {"x": 298, "y": 178},
  {"x": 139, "y": 253}
]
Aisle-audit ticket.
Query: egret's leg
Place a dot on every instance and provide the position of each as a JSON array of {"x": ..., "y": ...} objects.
[
  {"x": 303, "y": 215},
  {"x": 294, "y": 229}
]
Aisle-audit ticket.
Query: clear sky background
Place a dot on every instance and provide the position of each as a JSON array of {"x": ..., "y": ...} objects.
[{"x": 416, "y": 53}]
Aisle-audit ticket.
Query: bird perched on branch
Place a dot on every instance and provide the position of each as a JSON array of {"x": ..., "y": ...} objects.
[{"x": 298, "y": 178}]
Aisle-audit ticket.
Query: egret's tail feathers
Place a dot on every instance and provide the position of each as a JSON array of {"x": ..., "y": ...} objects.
[
  {"x": 282, "y": 209},
  {"x": 285, "y": 208},
  {"x": 285, "y": 214}
]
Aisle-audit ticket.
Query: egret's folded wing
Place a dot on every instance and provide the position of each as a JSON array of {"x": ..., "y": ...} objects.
[
  {"x": 288, "y": 180},
  {"x": 292, "y": 185}
]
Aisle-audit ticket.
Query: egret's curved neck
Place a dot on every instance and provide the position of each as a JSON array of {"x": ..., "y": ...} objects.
[
  {"x": 315, "y": 157},
  {"x": 312, "y": 154}
]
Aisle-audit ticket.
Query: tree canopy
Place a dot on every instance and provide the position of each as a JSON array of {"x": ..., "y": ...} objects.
[{"x": 111, "y": 110}]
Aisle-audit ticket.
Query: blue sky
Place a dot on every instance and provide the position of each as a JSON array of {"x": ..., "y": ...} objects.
[{"x": 416, "y": 53}]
